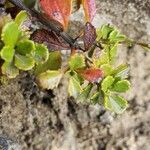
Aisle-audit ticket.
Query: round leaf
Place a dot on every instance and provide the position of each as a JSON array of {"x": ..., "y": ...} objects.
[
  {"x": 107, "y": 83},
  {"x": 41, "y": 53},
  {"x": 24, "y": 62},
  {"x": 93, "y": 75},
  {"x": 9, "y": 70},
  {"x": 121, "y": 86},
  {"x": 7, "y": 53},
  {"x": 10, "y": 34},
  {"x": 115, "y": 103},
  {"x": 107, "y": 69},
  {"x": 53, "y": 63},
  {"x": 25, "y": 47},
  {"x": 21, "y": 17},
  {"x": 77, "y": 61},
  {"x": 49, "y": 79}
]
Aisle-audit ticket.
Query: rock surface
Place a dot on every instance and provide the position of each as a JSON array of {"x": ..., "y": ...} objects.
[{"x": 48, "y": 120}]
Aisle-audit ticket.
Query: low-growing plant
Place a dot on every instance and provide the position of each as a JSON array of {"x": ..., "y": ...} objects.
[{"x": 92, "y": 70}]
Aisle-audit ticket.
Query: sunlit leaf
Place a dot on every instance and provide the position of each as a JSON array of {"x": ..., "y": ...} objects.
[
  {"x": 21, "y": 17},
  {"x": 4, "y": 19},
  {"x": 41, "y": 53},
  {"x": 104, "y": 32},
  {"x": 9, "y": 70},
  {"x": 121, "y": 86},
  {"x": 77, "y": 61},
  {"x": 115, "y": 36},
  {"x": 89, "y": 9},
  {"x": 103, "y": 59},
  {"x": 74, "y": 87},
  {"x": 7, "y": 53},
  {"x": 10, "y": 34},
  {"x": 49, "y": 79},
  {"x": 107, "y": 69},
  {"x": 24, "y": 62},
  {"x": 121, "y": 38},
  {"x": 89, "y": 35},
  {"x": 113, "y": 51},
  {"x": 24, "y": 47},
  {"x": 115, "y": 103},
  {"x": 59, "y": 10},
  {"x": 121, "y": 71},
  {"x": 107, "y": 83},
  {"x": 93, "y": 75},
  {"x": 53, "y": 63}
]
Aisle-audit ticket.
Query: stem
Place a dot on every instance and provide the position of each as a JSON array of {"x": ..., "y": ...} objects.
[{"x": 49, "y": 24}]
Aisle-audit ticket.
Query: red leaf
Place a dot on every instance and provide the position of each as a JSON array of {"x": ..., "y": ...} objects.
[
  {"x": 92, "y": 74},
  {"x": 89, "y": 9},
  {"x": 89, "y": 35},
  {"x": 59, "y": 10},
  {"x": 53, "y": 41}
]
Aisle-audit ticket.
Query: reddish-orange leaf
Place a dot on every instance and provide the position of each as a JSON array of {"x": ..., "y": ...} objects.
[
  {"x": 91, "y": 74},
  {"x": 89, "y": 9},
  {"x": 59, "y": 10}
]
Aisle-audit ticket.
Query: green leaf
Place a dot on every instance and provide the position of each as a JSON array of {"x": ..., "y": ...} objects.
[
  {"x": 77, "y": 61},
  {"x": 10, "y": 34},
  {"x": 121, "y": 38},
  {"x": 84, "y": 96},
  {"x": 21, "y": 17},
  {"x": 103, "y": 59},
  {"x": 74, "y": 88},
  {"x": 76, "y": 76},
  {"x": 49, "y": 79},
  {"x": 53, "y": 63},
  {"x": 121, "y": 71},
  {"x": 105, "y": 31},
  {"x": 96, "y": 98},
  {"x": 113, "y": 51},
  {"x": 4, "y": 19},
  {"x": 107, "y": 83},
  {"x": 113, "y": 35},
  {"x": 24, "y": 62},
  {"x": 121, "y": 86},
  {"x": 115, "y": 103},
  {"x": 7, "y": 53},
  {"x": 25, "y": 47},
  {"x": 107, "y": 69},
  {"x": 9, "y": 70},
  {"x": 41, "y": 53}
]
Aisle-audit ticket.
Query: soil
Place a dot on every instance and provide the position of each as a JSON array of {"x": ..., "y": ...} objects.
[{"x": 32, "y": 119}]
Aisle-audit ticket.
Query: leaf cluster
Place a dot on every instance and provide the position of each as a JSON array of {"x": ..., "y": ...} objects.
[
  {"x": 18, "y": 52},
  {"x": 92, "y": 74}
]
